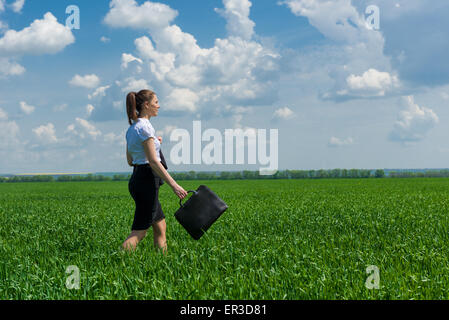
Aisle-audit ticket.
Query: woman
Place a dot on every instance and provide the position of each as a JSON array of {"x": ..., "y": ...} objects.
[{"x": 143, "y": 152}]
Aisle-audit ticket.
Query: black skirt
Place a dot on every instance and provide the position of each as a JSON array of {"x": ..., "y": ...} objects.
[{"x": 144, "y": 189}]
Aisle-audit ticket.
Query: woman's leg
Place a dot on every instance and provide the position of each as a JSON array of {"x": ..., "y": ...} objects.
[
  {"x": 159, "y": 229},
  {"x": 133, "y": 239}
]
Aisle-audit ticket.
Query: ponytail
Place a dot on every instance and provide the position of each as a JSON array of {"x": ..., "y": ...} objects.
[
  {"x": 131, "y": 107},
  {"x": 134, "y": 102}
]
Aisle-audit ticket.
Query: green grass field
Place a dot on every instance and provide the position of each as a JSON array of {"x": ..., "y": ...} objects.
[{"x": 279, "y": 239}]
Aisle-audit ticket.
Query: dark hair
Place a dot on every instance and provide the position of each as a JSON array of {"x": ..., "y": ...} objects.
[{"x": 134, "y": 102}]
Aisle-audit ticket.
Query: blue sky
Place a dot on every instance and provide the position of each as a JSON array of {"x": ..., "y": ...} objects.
[{"x": 340, "y": 94}]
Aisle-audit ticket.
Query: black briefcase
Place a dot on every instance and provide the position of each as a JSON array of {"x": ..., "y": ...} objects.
[{"x": 200, "y": 211}]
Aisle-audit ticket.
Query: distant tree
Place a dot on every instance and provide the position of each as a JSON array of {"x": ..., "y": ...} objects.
[
  {"x": 298, "y": 174},
  {"x": 379, "y": 173},
  {"x": 205, "y": 176},
  {"x": 225, "y": 175},
  {"x": 236, "y": 175},
  {"x": 365, "y": 173},
  {"x": 320, "y": 174},
  {"x": 354, "y": 173},
  {"x": 335, "y": 173},
  {"x": 249, "y": 174}
]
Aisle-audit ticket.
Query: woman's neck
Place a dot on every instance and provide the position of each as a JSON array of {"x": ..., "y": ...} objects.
[{"x": 145, "y": 117}]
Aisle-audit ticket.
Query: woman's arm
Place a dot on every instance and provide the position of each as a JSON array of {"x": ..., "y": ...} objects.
[
  {"x": 128, "y": 157},
  {"x": 156, "y": 165}
]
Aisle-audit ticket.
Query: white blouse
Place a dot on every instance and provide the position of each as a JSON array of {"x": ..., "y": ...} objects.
[{"x": 140, "y": 131}]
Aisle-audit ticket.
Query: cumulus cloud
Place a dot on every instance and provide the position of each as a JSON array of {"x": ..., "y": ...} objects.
[
  {"x": 236, "y": 70},
  {"x": 9, "y": 135},
  {"x": 182, "y": 100},
  {"x": 372, "y": 83},
  {"x": 46, "y": 133},
  {"x": 349, "y": 56},
  {"x": 99, "y": 92},
  {"x": 83, "y": 129},
  {"x": 337, "y": 142},
  {"x": 18, "y": 5},
  {"x": 236, "y": 13},
  {"x": 132, "y": 84},
  {"x": 127, "y": 58},
  {"x": 45, "y": 36},
  {"x": 338, "y": 20},
  {"x": 114, "y": 139},
  {"x": 8, "y": 67},
  {"x": 3, "y": 115},
  {"x": 413, "y": 123},
  {"x": 89, "y": 81},
  {"x": 26, "y": 108},
  {"x": 149, "y": 15},
  {"x": 89, "y": 109},
  {"x": 283, "y": 113}
]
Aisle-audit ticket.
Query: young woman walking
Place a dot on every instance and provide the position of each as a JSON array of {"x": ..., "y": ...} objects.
[{"x": 143, "y": 153}]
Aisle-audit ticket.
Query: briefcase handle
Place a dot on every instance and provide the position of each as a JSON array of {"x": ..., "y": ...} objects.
[{"x": 180, "y": 200}]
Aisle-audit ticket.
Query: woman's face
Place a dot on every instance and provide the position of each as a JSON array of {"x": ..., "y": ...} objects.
[{"x": 153, "y": 107}]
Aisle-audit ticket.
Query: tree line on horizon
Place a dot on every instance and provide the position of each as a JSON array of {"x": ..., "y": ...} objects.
[{"x": 245, "y": 175}]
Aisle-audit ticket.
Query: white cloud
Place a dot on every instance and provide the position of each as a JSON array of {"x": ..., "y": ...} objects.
[
  {"x": 45, "y": 36},
  {"x": 9, "y": 135},
  {"x": 115, "y": 139},
  {"x": 10, "y": 68},
  {"x": 99, "y": 92},
  {"x": 2, "y": 5},
  {"x": 3, "y": 115},
  {"x": 149, "y": 15},
  {"x": 127, "y": 58},
  {"x": 235, "y": 71},
  {"x": 131, "y": 84},
  {"x": 89, "y": 109},
  {"x": 183, "y": 100},
  {"x": 26, "y": 108},
  {"x": 337, "y": 142},
  {"x": 161, "y": 63},
  {"x": 18, "y": 5},
  {"x": 236, "y": 13},
  {"x": 118, "y": 105},
  {"x": 46, "y": 133},
  {"x": 105, "y": 39},
  {"x": 337, "y": 20},
  {"x": 351, "y": 49},
  {"x": 89, "y": 81},
  {"x": 82, "y": 129},
  {"x": 284, "y": 113},
  {"x": 413, "y": 123},
  {"x": 371, "y": 83}
]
